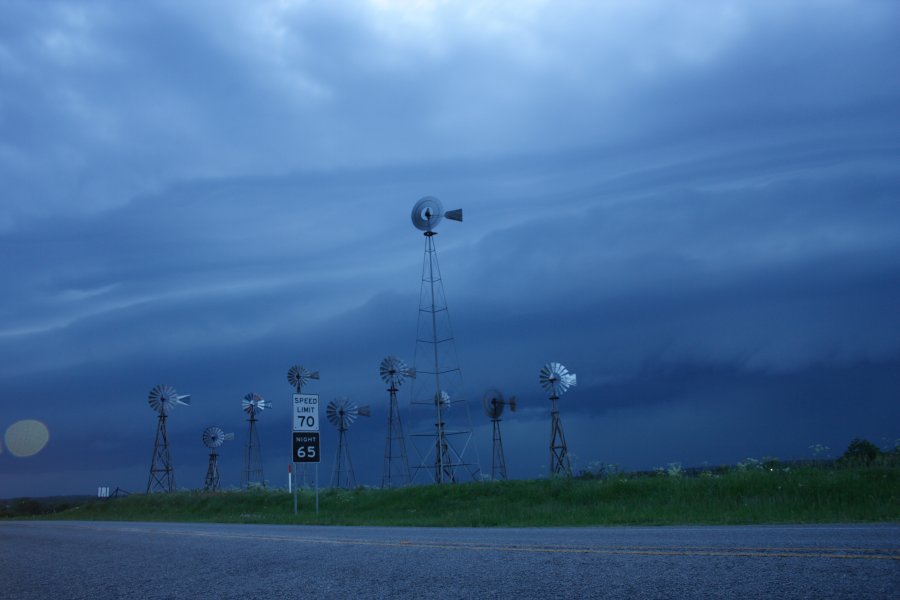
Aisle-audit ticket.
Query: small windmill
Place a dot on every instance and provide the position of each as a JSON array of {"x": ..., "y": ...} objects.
[
  {"x": 556, "y": 379},
  {"x": 393, "y": 372},
  {"x": 444, "y": 465},
  {"x": 163, "y": 399},
  {"x": 341, "y": 413},
  {"x": 493, "y": 403},
  {"x": 252, "y": 476},
  {"x": 213, "y": 437}
]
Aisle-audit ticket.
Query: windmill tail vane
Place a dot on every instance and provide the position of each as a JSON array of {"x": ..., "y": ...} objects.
[{"x": 454, "y": 215}]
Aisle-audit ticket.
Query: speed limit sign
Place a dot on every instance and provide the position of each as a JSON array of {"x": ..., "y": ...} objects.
[
  {"x": 306, "y": 412},
  {"x": 306, "y": 447}
]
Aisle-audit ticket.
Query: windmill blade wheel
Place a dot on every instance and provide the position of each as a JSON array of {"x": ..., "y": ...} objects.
[
  {"x": 556, "y": 379},
  {"x": 164, "y": 398},
  {"x": 213, "y": 437},
  {"x": 492, "y": 401}
]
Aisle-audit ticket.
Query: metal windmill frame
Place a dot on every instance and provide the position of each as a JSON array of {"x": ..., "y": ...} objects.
[
  {"x": 556, "y": 379},
  {"x": 494, "y": 403},
  {"x": 396, "y": 461},
  {"x": 446, "y": 454},
  {"x": 213, "y": 438},
  {"x": 162, "y": 473},
  {"x": 211, "y": 482},
  {"x": 559, "y": 450},
  {"x": 163, "y": 398},
  {"x": 341, "y": 413},
  {"x": 252, "y": 475}
]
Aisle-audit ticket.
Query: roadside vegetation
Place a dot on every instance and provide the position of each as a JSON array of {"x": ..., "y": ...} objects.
[{"x": 859, "y": 487}]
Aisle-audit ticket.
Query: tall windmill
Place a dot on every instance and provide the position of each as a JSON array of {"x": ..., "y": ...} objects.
[
  {"x": 493, "y": 403},
  {"x": 341, "y": 413},
  {"x": 396, "y": 463},
  {"x": 556, "y": 379},
  {"x": 163, "y": 399},
  {"x": 298, "y": 376},
  {"x": 252, "y": 475},
  {"x": 213, "y": 437},
  {"x": 442, "y": 438}
]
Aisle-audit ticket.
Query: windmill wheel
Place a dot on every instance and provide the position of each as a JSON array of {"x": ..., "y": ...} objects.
[
  {"x": 427, "y": 213},
  {"x": 556, "y": 379},
  {"x": 341, "y": 412},
  {"x": 493, "y": 403},
  {"x": 442, "y": 399},
  {"x": 393, "y": 371},
  {"x": 298, "y": 376},
  {"x": 254, "y": 403},
  {"x": 213, "y": 437},
  {"x": 164, "y": 398}
]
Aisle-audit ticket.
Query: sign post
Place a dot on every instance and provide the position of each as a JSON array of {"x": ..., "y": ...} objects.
[
  {"x": 306, "y": 443},
  {"x": 291, "y": 488}
]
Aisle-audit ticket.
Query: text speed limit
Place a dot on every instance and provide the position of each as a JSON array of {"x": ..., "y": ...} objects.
[{"x": 306, "y": 447}]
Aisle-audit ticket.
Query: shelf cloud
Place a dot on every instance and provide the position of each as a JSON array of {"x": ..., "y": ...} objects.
[{"x": 695, "y": 208}]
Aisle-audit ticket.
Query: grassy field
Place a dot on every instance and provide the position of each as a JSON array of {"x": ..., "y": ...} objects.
[{"x": 810, "y": 495}]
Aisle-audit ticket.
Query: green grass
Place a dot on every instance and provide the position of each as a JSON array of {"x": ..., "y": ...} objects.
[{"x": 797, "y": 496}]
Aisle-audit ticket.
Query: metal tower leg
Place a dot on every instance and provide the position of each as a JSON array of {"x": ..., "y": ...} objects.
[
  {"x": 498, "y": 462},
  {"x": 211, "y": 484},
  {"x": 559, "y": 454},
  {"x": 396, "y": 467},
  {"x": 443, "y": 460},
  {"x": 438, "y": 372},
  {"x": 162, "y": 474},
  {"x": 342, "y": 472},
  {"x": 338, "y": 461},
  {"x": 252, "y": 474}
]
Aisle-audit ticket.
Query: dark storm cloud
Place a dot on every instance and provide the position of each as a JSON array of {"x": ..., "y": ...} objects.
[
  {"x": 702, "y": 225},
  {"x": 115, "y": 103}
]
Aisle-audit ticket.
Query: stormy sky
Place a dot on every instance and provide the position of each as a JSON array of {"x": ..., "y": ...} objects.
[{"x": 694, "y": 206}]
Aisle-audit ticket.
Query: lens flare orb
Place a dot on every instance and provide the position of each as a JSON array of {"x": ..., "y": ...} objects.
[{"x": 26, "y": 438}]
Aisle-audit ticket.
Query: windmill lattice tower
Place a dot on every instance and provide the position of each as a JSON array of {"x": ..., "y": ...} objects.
[
  {"x": 163, "y": 399},
  {"x": 341, "y": 413},
  {"x": 556, "y": 379},
  {"x": 298, "y": 376},
  {"x": 396, "y": 462},
  {"x": 493, "y": 403},
  {"x": 213, "y": 437},
  {"x": 448, "y": 448},
  {"x": 252, "y": 475}
]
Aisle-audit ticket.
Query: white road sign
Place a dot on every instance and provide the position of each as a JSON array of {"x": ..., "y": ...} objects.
[{"x": 306, "y": 412}]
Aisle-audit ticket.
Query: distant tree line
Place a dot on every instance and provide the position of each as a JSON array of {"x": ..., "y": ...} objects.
[
  {"x": 31, "y": 507},
  {"x": 864, "y": 453},
  {"x": 859, "y": 453}
]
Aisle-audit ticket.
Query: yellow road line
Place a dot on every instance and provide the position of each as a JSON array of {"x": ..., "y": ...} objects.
[{"x": 811, "y": 552}]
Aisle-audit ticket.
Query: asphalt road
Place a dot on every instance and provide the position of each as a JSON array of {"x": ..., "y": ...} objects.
[{"x": 61, "y": 560}]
